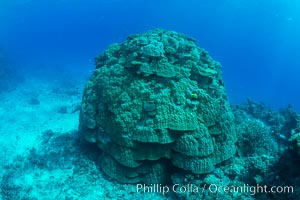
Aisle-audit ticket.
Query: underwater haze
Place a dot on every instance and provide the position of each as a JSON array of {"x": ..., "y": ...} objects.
[
  {"x": 257, "y": 42},
  {"x": 149, "y": 99}
]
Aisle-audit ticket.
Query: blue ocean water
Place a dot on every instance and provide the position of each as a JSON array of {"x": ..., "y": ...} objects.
[
  {"x": 48, "y": 47},
  {"x": 257, "y": 42}
]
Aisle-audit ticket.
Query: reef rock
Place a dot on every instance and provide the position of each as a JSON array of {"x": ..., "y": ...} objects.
[{"x": 154, "y": 102}]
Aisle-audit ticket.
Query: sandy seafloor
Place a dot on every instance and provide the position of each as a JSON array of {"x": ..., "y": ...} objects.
[{"x": 42, "y": 156}]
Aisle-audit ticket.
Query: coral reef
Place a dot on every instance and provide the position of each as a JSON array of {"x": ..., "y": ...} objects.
[
  {"x": 62, "y": 166},
  {"x": 284, "y": 125},
  {"x": 156, "y": 103},
  {"x": 274, "y": 159},
  {"x": 265, "y": 157}
]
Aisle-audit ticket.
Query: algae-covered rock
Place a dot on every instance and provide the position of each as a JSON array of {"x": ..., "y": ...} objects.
[{"x": 157, "y": 100}]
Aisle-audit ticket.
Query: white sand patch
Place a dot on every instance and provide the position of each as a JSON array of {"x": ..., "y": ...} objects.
[{"x": 21, "y": 121}]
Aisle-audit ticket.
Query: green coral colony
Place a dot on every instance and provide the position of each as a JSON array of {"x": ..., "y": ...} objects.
[{"x": 157, "y": 102}]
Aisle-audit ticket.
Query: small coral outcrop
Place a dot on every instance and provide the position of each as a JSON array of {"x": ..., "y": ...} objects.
[{"x": 157, "y": 101}]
